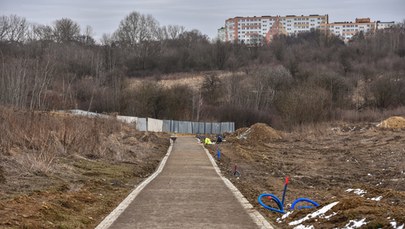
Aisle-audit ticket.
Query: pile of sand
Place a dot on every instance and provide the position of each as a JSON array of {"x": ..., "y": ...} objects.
[
  {"x": 395, "y": 122},
  {"x": 259, "y": 132}
]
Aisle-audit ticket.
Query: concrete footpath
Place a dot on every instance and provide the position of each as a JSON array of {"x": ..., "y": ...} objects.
[{"x": 188, "y": 193}]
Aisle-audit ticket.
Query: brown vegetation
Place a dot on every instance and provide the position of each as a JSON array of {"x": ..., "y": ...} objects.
[
  {"x": 307, "y": 78},
  {"x": 61, "y": 171},
  {"x": 393, "y": 123}
]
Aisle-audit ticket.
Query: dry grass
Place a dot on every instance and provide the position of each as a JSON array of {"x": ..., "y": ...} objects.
[
  {"x": 369, "y": 115},
  {"x": 64, "y": 171},
  {"x": 35, "y": 139}
]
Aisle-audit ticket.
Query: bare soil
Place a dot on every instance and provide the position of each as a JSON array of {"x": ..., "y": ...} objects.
[{"x": 323, "y": 163}]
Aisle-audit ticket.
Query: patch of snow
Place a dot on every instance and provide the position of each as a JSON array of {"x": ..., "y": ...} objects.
[
  {"x": 330, "y": 216},
  {"x": 378, "y": 198},
  {"x": 394, "y": 225},
  {"x": 355, "y": 224},
  {"x": 286, "y": 215},
  {"x": 280, "y": 220},
  {"x": 320, "y": 212},
  {"x": 304, "y": 227},
  {"x": 357, "y": 191},
  {"x": 245, "y": 134}
]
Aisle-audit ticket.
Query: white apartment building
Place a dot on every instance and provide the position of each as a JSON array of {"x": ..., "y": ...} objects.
[
  {"x": 346, "y": 30},
  {"x": 221, "y": 34},
  {"x": 385, "y": 25},
  {"x": 252, "y": 30}
]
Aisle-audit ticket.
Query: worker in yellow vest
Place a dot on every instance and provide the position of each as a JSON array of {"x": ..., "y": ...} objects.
[{"x": 207, "y": 141}]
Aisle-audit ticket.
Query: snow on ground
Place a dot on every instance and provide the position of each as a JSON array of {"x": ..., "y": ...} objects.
[
  {"x": 378, "y": 198},
  {"x": 394, "y": 225},
  {"x": 279, "y": 220},
  {"x": 355, "y": 224},
  {"x": 320, "y": 212},
  {"x": 304, "y": 227},
  {"x": 357, "y": 191},
  {"x": 331, "y": 215}
]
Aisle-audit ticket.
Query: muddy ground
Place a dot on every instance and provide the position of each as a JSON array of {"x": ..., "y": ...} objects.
[
  {"x": 77, "y": 188},
  {"x": 323, "y": 163}
]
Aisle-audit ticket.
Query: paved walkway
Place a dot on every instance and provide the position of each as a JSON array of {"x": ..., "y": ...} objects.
[{"x": 188, "y": 193}]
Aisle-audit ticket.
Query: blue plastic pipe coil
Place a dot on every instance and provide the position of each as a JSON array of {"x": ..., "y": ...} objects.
[
  {"x": 275, "y": 199},
  {"x": 314, "y": 204}
]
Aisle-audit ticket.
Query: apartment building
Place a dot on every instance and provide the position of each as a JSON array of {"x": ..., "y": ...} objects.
[
  {"x": 256, "y": 30},
  {"x": 346, "y": 30},
  {"x": 221, "y": 34},
  {"x": 385, "y": 25}
]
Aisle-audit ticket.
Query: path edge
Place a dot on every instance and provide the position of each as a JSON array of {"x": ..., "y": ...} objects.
[
  {"x": 110, "y": 219},
  {"x": 260, "y": 221}
]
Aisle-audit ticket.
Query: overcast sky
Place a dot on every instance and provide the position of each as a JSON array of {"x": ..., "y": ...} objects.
[{"x": 204, "y": 15}]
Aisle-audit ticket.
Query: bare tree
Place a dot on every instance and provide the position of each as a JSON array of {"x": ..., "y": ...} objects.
[
  {"x": 66, "y": 30},
  {"x": 136, "y": 28},
  {"x": 87, "y": 36},
  {"x": 13, "y": 28},
  {"x": 41, "y": 32},
  {"x": 172, "y": 31}
]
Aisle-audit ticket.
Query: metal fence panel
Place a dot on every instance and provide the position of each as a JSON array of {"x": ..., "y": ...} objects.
[
  {"x": 201, "y": 127},
  {"x": 166, "y": 126},
  {"x": 185, "y": 127},
  {"x": 194, "y": 126},
  {"x": 227, "y": 127},
  {"x": 142, "y": 124},
  {"x": 208, "y": 127},
  {"x": 127, "y": 119},
  {"x": 216, "y": 128},
  {"x": 175, "y": 126},
  {"x": 155, "y": 125}
]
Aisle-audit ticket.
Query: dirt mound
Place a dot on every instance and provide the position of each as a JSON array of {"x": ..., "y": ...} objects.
[
  {"x": 259, "y": 132},
  {"x": 395, "y": 122}
]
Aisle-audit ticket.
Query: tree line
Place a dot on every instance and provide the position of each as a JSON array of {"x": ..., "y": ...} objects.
[{"x": 309, "y": 77}]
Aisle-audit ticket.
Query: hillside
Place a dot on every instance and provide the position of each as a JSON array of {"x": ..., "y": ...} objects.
[{"x": 62, "y": 171}]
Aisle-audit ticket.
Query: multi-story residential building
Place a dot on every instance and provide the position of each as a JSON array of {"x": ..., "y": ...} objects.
[
  {"x": 253, "y": 30},
  {"x": 385, "y": 25},
  {"x": 221, "y": 34},
  {"x": 346, "y": 30}
]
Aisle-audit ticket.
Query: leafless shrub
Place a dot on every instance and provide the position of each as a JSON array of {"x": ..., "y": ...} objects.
[
  {"x": 304, "y": 104},
  {"x": 368, "y": 115}
]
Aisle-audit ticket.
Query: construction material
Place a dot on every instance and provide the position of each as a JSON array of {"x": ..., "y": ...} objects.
[{"x": 280, "y": 204}]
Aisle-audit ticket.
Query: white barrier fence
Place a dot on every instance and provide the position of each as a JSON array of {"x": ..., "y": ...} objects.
[{"x": 157, "y": 125}]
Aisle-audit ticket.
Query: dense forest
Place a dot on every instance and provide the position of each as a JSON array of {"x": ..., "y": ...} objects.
[{"x": 307, "y": 78}]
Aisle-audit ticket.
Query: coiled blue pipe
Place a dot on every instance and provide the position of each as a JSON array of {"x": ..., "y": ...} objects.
[
  {"x": 275, "y": 199},
  {"x": 280, "y": 204},
  {"x": 315, "y": 204}
]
